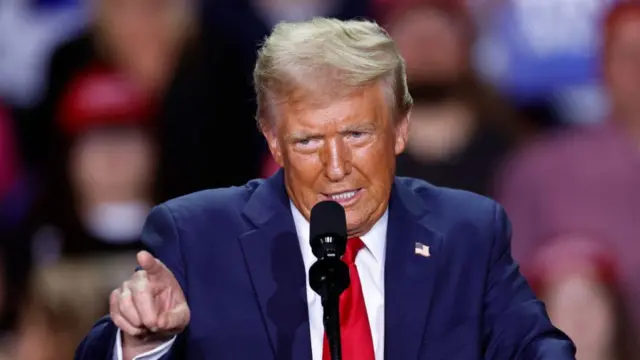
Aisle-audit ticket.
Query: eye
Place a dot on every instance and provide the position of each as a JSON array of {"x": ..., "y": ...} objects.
[
  {"x": 358, "y": 136},
  {"x": 308, "y": 143}
]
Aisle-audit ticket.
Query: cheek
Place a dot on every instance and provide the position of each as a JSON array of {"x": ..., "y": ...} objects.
[
  {"x": 305, "y": 169},
  {"x": 375, "y": 163},
  {"x": 381, "y": 152}
]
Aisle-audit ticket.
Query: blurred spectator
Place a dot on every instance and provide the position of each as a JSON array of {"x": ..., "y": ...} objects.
[
  {"x": 195, "y": 75},
  {"x": 460, "y": 128},
  {"x": 420, "y": 26},
  {"x": 584, "y": 181},
  {"x": 589, "y": 285},
  {"x": 64, "y": 301},
  {"x": 101, "y": 186}
]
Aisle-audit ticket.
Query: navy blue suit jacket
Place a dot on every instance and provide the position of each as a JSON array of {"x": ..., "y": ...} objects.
[{"x": 236, "y": 255}]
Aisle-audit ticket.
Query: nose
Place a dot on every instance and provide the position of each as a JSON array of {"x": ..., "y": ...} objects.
[{"x": 336, "y": 160}]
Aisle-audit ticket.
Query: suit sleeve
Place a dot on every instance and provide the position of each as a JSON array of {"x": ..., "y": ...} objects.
[
  {"x": 160, "y": 236},
  {"x": 516, "y": 323}
]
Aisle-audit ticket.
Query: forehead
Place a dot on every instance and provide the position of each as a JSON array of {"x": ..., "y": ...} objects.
[{"x": 366, "y": 105}]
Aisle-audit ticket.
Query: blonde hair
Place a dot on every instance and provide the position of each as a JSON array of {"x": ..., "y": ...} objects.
[{"x": 323, "y": 59}]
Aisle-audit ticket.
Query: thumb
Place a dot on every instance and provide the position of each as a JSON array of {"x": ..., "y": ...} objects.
[
  {"x": 175, "y": 319},
  {"x": 149, "y": 263}
]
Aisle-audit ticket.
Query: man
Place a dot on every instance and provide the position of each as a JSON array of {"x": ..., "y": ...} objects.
[{"x": 432, "y": 276}]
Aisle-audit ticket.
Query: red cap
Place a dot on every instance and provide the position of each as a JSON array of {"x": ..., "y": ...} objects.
[
  {"x": 101, "y": 97},
  {"x": 569, "y": 255}
]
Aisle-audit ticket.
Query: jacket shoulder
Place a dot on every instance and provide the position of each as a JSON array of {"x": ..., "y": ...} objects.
[
  {"x": 220, "y": 201},
  {"x": 452, "y": 207}
]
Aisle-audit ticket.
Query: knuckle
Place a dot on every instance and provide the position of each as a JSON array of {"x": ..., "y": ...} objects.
[
  {"x": 125, "y": 293},
  {"x": 140, "y": 285},
  {"x": 121, "y": 307},
  {"x": 125, "y": 307},
  {"x": 114, "y": 308},
  {"x": 140, "y": 274},
  {"x": 118, "y": 320},
  {"x": 114, "y": 296},
  {"x": 150, "y": 323}
]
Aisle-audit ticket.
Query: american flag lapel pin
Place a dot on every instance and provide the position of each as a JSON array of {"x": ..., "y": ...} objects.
[{"x": 422, "y": 250}]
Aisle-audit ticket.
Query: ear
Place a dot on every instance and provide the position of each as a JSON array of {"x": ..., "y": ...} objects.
[
  {"x": 270, "y": 134},
  {"x": 402, "y": 133}
]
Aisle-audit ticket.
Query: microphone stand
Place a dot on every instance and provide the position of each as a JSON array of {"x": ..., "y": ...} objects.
[
  {"x": 331, "y": 320},
  {"x": 329, "y": 277}
]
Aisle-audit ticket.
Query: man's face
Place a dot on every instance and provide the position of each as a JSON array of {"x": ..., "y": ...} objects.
[
  {"x": 623, "y": 66},
  {"x": 420, "y": 31},
  {"x": 344, "y": 151}
]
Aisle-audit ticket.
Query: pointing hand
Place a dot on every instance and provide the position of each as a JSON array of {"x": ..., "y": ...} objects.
[{"x": 150, "y": 307}]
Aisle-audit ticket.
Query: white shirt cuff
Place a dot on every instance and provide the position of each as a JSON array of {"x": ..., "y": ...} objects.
[{"x": 154, "y": 354}]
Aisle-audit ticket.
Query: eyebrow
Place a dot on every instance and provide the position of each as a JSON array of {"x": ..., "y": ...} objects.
[
  {"x": 299, "y": 135},
  {"x": 369, "y": 126}
]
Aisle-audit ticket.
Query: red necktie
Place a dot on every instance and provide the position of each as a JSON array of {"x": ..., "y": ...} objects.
[{"x": 355, "y": 331}]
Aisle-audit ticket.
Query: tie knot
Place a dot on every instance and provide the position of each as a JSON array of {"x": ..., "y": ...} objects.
[{"x": 353, "y": 246}]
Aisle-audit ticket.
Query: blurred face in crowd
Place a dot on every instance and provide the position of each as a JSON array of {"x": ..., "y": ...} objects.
[
  {"x": 112, "y": 165},
  {"x": 343, "y": 150},
  {"x": 418, "y": 32},
  {"x": 144, "y": 36},
  {"x": 623, "y": 66}
]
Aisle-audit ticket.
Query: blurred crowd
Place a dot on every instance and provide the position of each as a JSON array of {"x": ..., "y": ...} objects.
[{"x": 108, "y": 107}]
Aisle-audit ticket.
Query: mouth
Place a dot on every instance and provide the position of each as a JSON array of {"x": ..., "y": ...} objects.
[{"x": 344, "y": 198}]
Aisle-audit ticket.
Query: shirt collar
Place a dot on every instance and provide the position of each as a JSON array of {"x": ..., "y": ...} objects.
[{"x": 374, "y": 240}]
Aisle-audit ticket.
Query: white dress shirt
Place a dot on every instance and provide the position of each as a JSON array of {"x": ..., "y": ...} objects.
[{"x": 370, "y": 264}]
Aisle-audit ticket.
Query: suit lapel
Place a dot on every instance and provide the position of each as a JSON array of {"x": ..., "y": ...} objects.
[
  {"x": 274, "y": 261},
  {"x": 409, "y": 278}
]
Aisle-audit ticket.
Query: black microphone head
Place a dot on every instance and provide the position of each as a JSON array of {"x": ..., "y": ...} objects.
[{"x": 328, "y": 230}]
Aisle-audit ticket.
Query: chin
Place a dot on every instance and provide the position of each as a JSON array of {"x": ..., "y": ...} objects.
[{"x": 355, "y": 224}]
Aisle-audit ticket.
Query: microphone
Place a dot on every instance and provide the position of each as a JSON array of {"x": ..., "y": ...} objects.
[
  {"x": 329, "y": 275},
  {"x": 328, "y": 230}
]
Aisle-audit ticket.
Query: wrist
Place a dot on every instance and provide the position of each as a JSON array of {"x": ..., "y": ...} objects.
[{"x": 133, "y": 346}]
